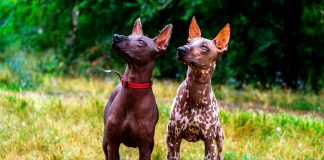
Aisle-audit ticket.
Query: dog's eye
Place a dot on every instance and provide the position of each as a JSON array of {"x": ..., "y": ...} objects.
[
  {"x": 204, "y": 47},
  {"x": 141, "y": 42}
]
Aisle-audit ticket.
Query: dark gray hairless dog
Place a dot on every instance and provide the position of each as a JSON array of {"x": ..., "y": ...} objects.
[
  {"x": 131, "y": 112},
  {"x": 194, "y": 113}
]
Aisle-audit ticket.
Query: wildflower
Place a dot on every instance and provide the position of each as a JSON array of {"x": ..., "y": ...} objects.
[
  {"x": 57, "y": 138},
  {"x": 40, "y": 31},
  {"x": 300, "y": 145},
  {"x": 232, "y": 80},
  {"x": 23, "y": 124},
  {"x": 278, "y": 129},
  {"x": 53, "y": 82},
  {"x": 177, "y": 75}
]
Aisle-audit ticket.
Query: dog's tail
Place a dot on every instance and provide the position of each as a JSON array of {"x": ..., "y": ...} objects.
[{"x": 110, "y": 71}]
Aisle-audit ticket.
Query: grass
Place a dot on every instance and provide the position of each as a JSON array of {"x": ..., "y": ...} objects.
[
  {"x": 287, "y": 99},
  {"x": 62, "y": 119}
]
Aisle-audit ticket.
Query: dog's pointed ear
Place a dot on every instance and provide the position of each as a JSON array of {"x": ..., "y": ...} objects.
[
  {"x": 162, "y": 40},
  {"x": 222, "y": 38},
  {"x": 194, "y": 30},
  {"x": 137, "y": 29}
]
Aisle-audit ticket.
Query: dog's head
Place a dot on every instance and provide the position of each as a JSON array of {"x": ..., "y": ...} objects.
[
  {"x": 137, "y": 48},
  {"x": 200, "y": 52}
]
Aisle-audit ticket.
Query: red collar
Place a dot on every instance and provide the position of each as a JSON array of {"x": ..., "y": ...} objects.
[{"x": 127, "y": 84}]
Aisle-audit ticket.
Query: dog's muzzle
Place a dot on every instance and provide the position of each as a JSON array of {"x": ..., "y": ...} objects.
[
  {"x": 118, "y": 38},
  {"x": 183, "y": 50}
]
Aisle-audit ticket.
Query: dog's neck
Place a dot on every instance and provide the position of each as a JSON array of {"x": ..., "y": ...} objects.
[
  {"x": 198, "y": 84},
  {"x": 139, "y": 73},
  {"x": 200, "y": 76}
]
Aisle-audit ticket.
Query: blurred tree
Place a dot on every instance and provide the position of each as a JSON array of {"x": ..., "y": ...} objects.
[{"x": 272, "y": 42}]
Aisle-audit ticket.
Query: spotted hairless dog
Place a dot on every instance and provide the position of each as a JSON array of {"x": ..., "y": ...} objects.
[
  {"x": 194, "y": 114},
  {"x": 131, "y": 113}
]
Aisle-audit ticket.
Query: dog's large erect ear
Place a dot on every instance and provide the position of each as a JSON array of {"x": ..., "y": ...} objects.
[
  {"x": 222, "y": 38},
  {"x": 162, "y": 40},
  {"x": 137, "y": 29},
  {"x": 194, "y": 30}
]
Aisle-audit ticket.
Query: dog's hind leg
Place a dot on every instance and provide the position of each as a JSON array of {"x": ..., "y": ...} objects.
[
  {"x": 105, "y": 145},
  {"x": 219, "y": 141}
]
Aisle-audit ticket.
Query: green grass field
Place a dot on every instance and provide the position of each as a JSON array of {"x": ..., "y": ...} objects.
[{"x": 63, "y": 119}]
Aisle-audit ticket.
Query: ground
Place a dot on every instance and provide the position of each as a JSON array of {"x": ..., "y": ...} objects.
[{"x": 63, "y": 119}]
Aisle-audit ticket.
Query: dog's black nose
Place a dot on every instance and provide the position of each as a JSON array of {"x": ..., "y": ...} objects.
[
  {"x": 116, "y": 38},
  {"x": 183, "y": 50}
]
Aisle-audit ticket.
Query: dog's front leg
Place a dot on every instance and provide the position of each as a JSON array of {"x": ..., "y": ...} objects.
[
  {"x": 210, "y": 149},
  {"x": 113, "y": 151},
  {"x": 146, "y": 146},
  {"x": 220, "y": 142},
  {"x": 173, "y": 147},
  {"x": 145, "y": 151}
]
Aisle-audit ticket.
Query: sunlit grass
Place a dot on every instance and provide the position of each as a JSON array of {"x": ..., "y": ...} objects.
[
  {"x": 63, "y": 119},
  {"x": 296, "y": 100}
]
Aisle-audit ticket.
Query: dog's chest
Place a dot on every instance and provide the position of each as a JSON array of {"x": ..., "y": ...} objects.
[
  {"x": 200, "y": 125},
  {"x": 194, "y": 120}
]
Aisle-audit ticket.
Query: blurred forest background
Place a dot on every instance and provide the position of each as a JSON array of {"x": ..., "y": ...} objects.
[
  {"x": 273, "y": 42},
  {"x": 269, "y": 84}
]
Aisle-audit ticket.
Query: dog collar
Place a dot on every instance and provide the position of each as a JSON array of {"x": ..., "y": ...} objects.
[{"x": 127, "y": 84}]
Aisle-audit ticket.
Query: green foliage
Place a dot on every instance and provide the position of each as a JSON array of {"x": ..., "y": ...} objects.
[
  {"x": 272, "y": 42},
  {"x": 17, "y": 73},
  {"x": 22, "y": 70}
]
